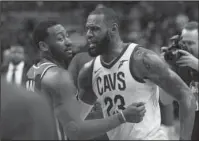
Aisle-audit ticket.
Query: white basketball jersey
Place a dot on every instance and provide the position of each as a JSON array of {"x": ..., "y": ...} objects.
[{"x": 116, "y": 89}]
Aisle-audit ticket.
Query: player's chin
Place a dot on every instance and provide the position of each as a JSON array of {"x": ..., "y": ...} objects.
[
  {"x": 92, "y": 54},
  {"x": 68, "y": 54}
]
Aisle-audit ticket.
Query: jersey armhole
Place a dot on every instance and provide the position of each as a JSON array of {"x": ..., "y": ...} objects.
[
  {"x": 92, "y": 68},
  {"x": 40, "y": 76},
  {"x": 140, "y": 80}
]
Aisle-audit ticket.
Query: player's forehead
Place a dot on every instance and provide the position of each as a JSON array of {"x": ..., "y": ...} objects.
[
  {"x": 56, "y": 29},
  {"x": 95, "y": 20},
  {"x": 189, "y": 34}
]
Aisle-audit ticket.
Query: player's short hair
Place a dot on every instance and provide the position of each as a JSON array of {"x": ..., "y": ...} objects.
[
  {"x": 191, "y": 26},
  {"x": 40, "y": 33},
  {"x": 110, "y": 15}
]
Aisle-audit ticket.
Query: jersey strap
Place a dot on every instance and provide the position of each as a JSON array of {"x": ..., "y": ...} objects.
[{"x": 40, "y": 76}]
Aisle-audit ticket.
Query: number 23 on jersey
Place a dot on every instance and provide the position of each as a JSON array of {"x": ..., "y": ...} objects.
[{"x": 115, "y": 104}]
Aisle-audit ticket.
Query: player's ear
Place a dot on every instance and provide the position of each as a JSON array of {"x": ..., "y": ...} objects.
[{"x": 43, "y": 46}]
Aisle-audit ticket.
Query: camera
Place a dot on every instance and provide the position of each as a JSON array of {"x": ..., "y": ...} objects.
[{"x": 171, "y": 53}]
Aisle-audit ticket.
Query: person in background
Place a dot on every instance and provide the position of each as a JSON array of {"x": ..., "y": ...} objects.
[
  {"x": 24, "y": 115},
  {"x": 5, "y": 57},
  {"x": 15, "y": 71},
  {"x": 186, "y": 67}
]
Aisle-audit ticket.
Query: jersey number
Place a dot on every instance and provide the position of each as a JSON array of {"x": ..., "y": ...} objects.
[{"x": 114, "y": 103}]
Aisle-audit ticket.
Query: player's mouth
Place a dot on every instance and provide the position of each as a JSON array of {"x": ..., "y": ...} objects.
[
  {"x": 92, "y": 47},
  {"x": 69, "y": 52}
]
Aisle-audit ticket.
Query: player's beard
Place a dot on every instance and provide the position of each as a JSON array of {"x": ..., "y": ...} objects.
[
  {"x": 54, "y": 54},
  {"x": 100, "y": 47}
]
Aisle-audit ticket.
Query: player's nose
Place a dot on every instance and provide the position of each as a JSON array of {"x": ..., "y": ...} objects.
[
  {"x": 89, "y": 34},
  {"x": 68, "y": 42}
]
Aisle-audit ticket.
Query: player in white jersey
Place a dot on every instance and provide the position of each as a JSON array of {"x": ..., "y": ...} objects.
[{"x": 125, "y": 73}]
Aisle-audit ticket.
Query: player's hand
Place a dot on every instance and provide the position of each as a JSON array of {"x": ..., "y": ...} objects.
[
  {"x": 135, "y": 112},
  {"x": 187, "y": 60}
]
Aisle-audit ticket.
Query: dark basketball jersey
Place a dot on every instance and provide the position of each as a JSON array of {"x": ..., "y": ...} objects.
[{"x": 33, "y": 83}]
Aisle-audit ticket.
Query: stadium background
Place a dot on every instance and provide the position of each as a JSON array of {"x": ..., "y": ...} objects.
[{"x": 150, "y": 24}]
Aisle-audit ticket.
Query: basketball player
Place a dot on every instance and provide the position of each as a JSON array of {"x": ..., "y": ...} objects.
[
  {"x": 124, "y": 73},
  {"x": 54, "y": 82},
  {"x": 25, "y": 115}
]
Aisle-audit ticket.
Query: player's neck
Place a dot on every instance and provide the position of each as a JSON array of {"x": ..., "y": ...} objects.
[
  {"x": 47, "y": 57},
  {"x": 114, "y": 49}
]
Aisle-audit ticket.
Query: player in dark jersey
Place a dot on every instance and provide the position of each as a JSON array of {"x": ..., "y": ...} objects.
[
  {"x": 54, "y": 82},
  {"x": 103, "y": 36},
  {"x": 25, "y": 115}
]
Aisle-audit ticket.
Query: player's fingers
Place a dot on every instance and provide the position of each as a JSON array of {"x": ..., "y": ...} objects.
[
  {"x": 140, "y": 104},
  {"x": 142, "y": 113},
  {"x": 135, "y": 104},
  {"x": 140, "y": 108}
]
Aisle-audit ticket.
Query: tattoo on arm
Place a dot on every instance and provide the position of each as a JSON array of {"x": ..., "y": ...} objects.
[{"x": 158, "y": 72}]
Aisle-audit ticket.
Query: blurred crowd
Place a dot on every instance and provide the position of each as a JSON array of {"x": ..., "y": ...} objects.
[{"x": 150, "y": 24}]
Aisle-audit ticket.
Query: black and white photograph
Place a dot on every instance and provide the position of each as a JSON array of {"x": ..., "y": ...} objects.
[{"x": 99, "y": 70}]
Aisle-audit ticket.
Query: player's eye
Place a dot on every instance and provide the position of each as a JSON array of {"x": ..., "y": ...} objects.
[
  {"x": 92, "y": 28},
  {"x": 60, "y": 38}
]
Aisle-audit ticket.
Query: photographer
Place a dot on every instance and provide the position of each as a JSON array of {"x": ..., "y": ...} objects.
[{"x": 182, "y": 56}]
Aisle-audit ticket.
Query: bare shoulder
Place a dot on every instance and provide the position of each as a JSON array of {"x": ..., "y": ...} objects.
[
  {"x": 147, "y": 62},
  {"x": 56, "y": 76}
]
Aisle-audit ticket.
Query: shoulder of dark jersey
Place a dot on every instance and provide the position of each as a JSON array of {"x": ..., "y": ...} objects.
[{"x": 35, "y": 70}]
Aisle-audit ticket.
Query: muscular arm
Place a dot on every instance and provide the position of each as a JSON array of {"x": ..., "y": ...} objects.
[
  {"x": 151, "y": 67},
  {"x": 68, "y": 110}
]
